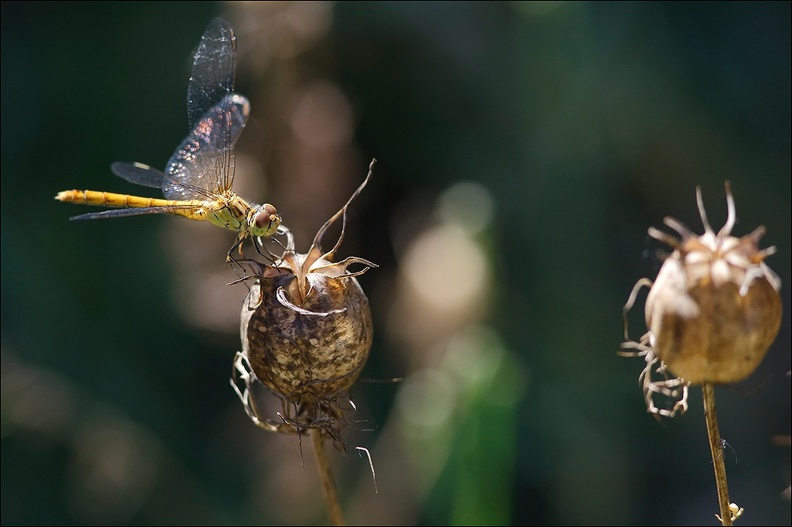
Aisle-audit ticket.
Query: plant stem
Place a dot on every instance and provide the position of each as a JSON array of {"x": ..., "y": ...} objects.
[
  {"x": 326, "y": 476},
  {"x": 716, "y": 448}
]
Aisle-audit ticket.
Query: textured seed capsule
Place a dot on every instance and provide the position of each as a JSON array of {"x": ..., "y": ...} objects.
[
  {"x": 714, "y": 309},
  {"x": 306, "y": 326}
]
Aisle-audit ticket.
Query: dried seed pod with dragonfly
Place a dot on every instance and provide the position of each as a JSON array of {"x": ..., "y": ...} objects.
[
  {"x": 306, "y": 327},
  {"x": 306, "y": 331}
]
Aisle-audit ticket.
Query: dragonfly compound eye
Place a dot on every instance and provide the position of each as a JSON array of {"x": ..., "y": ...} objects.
[{"x": 266, "y": 221}]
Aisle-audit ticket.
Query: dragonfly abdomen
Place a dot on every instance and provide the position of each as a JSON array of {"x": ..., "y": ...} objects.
[
  {"x": 110, "y": 199},
  {"x": 189, "y": 209}
]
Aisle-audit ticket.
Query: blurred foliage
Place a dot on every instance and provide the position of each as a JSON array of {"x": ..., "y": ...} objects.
[{"x": 581, "y": 124}]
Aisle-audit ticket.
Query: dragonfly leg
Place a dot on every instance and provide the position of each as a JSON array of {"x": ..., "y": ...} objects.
[
  {"x": 230, "y": 256},
  {"x": 270, "y": 256},
  {"x": 256, "y": 270},
  {"x": 237, "y": 243}
]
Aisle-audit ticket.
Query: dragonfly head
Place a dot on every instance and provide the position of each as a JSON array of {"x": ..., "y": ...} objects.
[{"x": 263, "y": 220}]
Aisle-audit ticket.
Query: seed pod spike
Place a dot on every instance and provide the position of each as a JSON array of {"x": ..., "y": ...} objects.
[
  {"x": 682, "y": 229},
  {"x": 753, "y": 239},
  {"x": 660, "y": 236},
  {"x": 702, "y": 212},
  {"x": 732, "y": 214},
  {"x": 318, "y": 239}
]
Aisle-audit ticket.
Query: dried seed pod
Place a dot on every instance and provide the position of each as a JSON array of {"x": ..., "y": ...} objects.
[
  {"x": 306, "y": 328},
  {"x": 714, "y": 309}
]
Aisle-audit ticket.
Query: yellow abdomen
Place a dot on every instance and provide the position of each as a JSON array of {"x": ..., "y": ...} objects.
[{"x": 192, "y": 209}]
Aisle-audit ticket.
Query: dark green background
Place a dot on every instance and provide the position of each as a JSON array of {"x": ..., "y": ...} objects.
[{"x": 588, "y": 123}]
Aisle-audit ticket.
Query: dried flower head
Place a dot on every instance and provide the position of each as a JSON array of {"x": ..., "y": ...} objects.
[
  {"x": 306, "y": 332},
  {"x": 713, "y": 310}
]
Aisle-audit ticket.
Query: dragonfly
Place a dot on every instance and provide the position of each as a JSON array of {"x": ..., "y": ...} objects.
[{"x": 198, "y": 179}]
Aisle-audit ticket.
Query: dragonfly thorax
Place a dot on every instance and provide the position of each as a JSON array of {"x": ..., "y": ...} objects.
[
  {"x": 228, "y": 211},
  {"x": 263, "y": 220}
]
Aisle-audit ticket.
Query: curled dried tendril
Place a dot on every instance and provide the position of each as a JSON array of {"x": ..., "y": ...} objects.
[
  {"x": 654, "y": 379},
  {"x": 293, "y": 417}
]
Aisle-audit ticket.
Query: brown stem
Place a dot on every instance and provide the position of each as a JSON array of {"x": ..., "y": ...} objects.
[
  {"x": 716, "y": 448},
  {"x": 326, "y": 475}
]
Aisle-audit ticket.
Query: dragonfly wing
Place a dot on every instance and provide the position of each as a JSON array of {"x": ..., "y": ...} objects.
[
  {"x": 201, "y": 165},
  {"x": 119, "y": 213},
  {"x": 139, "y": 174},
  {"x": 213, "y": 70}
]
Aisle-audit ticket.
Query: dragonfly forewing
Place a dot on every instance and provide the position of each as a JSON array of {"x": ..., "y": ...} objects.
[{"x": 213, "y": 70}]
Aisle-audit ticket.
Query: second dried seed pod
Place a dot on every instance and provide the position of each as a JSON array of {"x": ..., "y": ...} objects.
[{"x": 714, "y": 309}]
